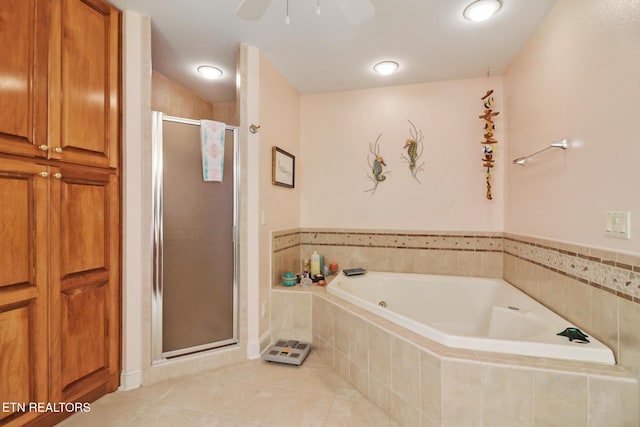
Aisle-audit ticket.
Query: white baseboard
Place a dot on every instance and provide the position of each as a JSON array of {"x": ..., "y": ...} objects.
[
  {"x": 130, "y": 380},
  {"x": 255, "y": 349}
]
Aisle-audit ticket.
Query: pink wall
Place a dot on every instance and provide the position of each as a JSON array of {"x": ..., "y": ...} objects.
[
  {"x": 337, "y": 128},
  {"x": 577, "y": 78},
  {"x": 279, "y": 206}
]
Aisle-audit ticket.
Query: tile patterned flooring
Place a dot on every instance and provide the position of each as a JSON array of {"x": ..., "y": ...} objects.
[{"x": 252, "y": 393}]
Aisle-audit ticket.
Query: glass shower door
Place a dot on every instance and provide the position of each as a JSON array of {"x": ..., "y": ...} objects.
[{"x": 196, "y": 248}]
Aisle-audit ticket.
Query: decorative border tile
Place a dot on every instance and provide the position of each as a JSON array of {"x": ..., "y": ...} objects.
[
  {"x": 404, "y": 240},
  {"x": 601, "y": 272},
  {"x": 285, "y": 240}
]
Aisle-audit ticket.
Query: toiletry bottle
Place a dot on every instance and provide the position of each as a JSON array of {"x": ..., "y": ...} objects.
[{"x": 315, "y": 263}]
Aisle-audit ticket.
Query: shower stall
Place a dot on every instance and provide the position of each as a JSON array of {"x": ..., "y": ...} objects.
[{"x": 195, "y": 248}]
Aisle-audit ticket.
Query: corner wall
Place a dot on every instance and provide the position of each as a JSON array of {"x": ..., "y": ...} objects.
[
  {"x": 136, "y": 247},
  {"x": 279, "y": 206},
  {"x": 577, "y": 78},
  {"x": 338, "y": 128}
]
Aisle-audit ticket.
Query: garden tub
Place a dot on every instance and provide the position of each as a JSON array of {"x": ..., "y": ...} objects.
[{"x": 468, "y": 312}]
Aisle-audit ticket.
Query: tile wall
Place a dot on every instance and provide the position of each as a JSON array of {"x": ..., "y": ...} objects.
[
  {"x": 285, "y": 254},
  {"x": 291, "y": 315},
  {"x": 421, "y": 383},
  {"x": 464, "y": 254},
  {"x": 597, "y": 290}
]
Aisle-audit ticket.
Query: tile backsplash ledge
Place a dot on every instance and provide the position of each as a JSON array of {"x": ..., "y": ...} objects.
[
  {"x": 616, "y": 273},
  {"x": 464, "y": 253}
]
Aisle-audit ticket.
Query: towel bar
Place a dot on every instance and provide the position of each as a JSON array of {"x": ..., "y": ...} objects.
[{"x": 523, "y": 160}]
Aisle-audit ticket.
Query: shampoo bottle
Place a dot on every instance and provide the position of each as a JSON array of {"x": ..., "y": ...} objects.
[{"x": 315, "y": 263}]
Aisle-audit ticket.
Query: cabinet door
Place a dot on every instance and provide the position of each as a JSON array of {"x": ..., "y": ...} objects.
[
  {"x": 23, "y": 278},
  {"x": 23, "y": 77},
  {"x": 85, "y": 64},
  {"x": 84, "y": 283}
]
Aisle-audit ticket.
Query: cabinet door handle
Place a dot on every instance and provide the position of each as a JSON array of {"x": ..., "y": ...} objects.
[
  {"x": 57, "y": 175},
  {"x": 43, "y": 147},
  {"x": 44, "y": 174},
  {"x": 58, "y": 149}
]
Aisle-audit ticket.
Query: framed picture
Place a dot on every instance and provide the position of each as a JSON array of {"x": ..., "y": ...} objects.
[{"x": 283, "y": 168}]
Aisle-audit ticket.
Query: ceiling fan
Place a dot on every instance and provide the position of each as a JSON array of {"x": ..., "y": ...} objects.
[{"x": 356, "y": 11}]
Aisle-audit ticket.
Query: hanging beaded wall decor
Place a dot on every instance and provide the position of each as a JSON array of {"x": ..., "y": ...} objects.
[{"x": 488, "y": 144}]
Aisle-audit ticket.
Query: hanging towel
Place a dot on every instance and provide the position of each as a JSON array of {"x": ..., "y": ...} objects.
[{"x": 212, "y": 147}]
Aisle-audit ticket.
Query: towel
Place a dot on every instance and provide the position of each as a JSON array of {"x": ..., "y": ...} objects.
[{"x": 212, "y": 148}]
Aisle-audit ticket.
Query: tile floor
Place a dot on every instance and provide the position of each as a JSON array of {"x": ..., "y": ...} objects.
[{"x": 252, "y": 393}]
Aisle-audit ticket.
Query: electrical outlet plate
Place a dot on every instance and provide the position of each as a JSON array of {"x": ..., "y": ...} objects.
[{"x": 618, "y": 224}]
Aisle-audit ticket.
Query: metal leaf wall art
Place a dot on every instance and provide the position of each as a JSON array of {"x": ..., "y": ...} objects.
[
  {"x": 377, "y": 173},
  {"x": 414, "y": 147}
]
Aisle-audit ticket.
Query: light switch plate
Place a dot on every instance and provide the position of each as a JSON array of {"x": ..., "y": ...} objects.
[{"x": 618, "y": 224}]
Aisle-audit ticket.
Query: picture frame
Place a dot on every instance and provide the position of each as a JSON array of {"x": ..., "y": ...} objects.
[{"x": 283, "y": 168}]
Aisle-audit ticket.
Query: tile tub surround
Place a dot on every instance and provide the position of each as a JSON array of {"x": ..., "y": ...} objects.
[
  {"x": 285, "y": 254},
  {"x": 421, "y": 383},
  {"x": 459, "y": 253},
  {"x": 616, "y": 273},
  {"x": 595, "y": 289},
  {"x": 291, "y": 315}
]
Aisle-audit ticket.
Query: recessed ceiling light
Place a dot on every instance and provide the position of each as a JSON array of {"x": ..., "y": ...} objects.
[
  {"x": 385, "y": 67},
  {"x": 210, "y": 72},
  {"x": 481, "y": 10}
]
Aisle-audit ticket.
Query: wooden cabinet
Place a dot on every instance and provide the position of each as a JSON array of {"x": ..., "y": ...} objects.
[
  {"x": 84, "y": 282},
  {"x": 24, "y": 41},
  {"x": 59, "y": 203},
  {"x": 84, "y": 78},
  {"x": 23, "y": 284},
  {"x": 59, "y": 80}
]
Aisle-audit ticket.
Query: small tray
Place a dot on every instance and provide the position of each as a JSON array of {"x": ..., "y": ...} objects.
[{"x": 354, "y": 271}]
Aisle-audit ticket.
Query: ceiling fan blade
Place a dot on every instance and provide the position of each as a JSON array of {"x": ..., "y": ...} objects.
[
  {"x": 252, "y": 10},
  {"x": 356, "y": 11}
]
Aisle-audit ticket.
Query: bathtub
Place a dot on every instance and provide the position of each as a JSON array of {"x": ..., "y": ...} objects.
[{"x": 467, "y": 312}]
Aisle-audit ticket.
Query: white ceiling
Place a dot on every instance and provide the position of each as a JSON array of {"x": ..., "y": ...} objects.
[{"x": 429, "y": 38}]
